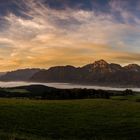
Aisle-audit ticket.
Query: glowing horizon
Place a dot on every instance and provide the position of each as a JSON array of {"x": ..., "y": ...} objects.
[{"x": 45, "y": 33}]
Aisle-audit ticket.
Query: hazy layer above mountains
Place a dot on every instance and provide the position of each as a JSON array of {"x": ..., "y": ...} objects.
[{"x": 98, "y": 73}]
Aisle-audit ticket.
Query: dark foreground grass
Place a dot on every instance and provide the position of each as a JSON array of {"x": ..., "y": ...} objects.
[{"x": 23, "y": 119}]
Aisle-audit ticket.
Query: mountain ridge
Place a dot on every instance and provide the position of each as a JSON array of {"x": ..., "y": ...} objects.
[{"x": 98, "y": 73}]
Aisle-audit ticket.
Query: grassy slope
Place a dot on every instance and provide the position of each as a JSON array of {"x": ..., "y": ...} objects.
[{"x": 73, "y": 119}]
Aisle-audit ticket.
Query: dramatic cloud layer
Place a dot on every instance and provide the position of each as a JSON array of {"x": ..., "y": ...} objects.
[{"x": 41, "y": 33}]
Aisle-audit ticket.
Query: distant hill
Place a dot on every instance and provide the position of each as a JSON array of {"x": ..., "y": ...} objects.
[
  {"x": 97, "y": 73},
  {"x": 19, "y": 75},
  {"x": 45, "y": 92},
  {"x": 2, "y": 73}
]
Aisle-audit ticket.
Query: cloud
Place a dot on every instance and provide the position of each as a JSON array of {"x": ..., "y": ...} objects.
[{"x": 46, "y": 36}]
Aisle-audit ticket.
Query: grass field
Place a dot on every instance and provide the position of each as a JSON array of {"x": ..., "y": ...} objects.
[{"x": 99, "y": 119}]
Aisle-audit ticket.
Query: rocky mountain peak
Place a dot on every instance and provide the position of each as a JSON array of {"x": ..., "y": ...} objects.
[
  {"x": 133, "y": 67},
  {"x": 100, "y": 63}
]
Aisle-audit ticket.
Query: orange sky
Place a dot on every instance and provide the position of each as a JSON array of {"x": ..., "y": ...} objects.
[{"x": 68, "y": 36}]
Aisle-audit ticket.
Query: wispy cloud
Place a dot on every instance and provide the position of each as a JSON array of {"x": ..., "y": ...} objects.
[{"x": 44, "y": 36}]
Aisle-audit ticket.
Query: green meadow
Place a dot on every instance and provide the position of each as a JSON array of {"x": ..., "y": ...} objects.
[{"x": 87, "y": 119}]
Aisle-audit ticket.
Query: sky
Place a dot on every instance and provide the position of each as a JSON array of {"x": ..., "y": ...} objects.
[{"x": 45, "y": 33}]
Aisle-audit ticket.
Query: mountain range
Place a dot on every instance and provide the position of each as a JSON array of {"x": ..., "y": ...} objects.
[
  {"x": 97, "y": 73},
  {"x": 18, "y": 75}
]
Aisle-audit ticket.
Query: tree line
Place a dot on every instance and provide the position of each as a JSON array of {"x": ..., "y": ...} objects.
[{"x": 44, "y": 92}]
